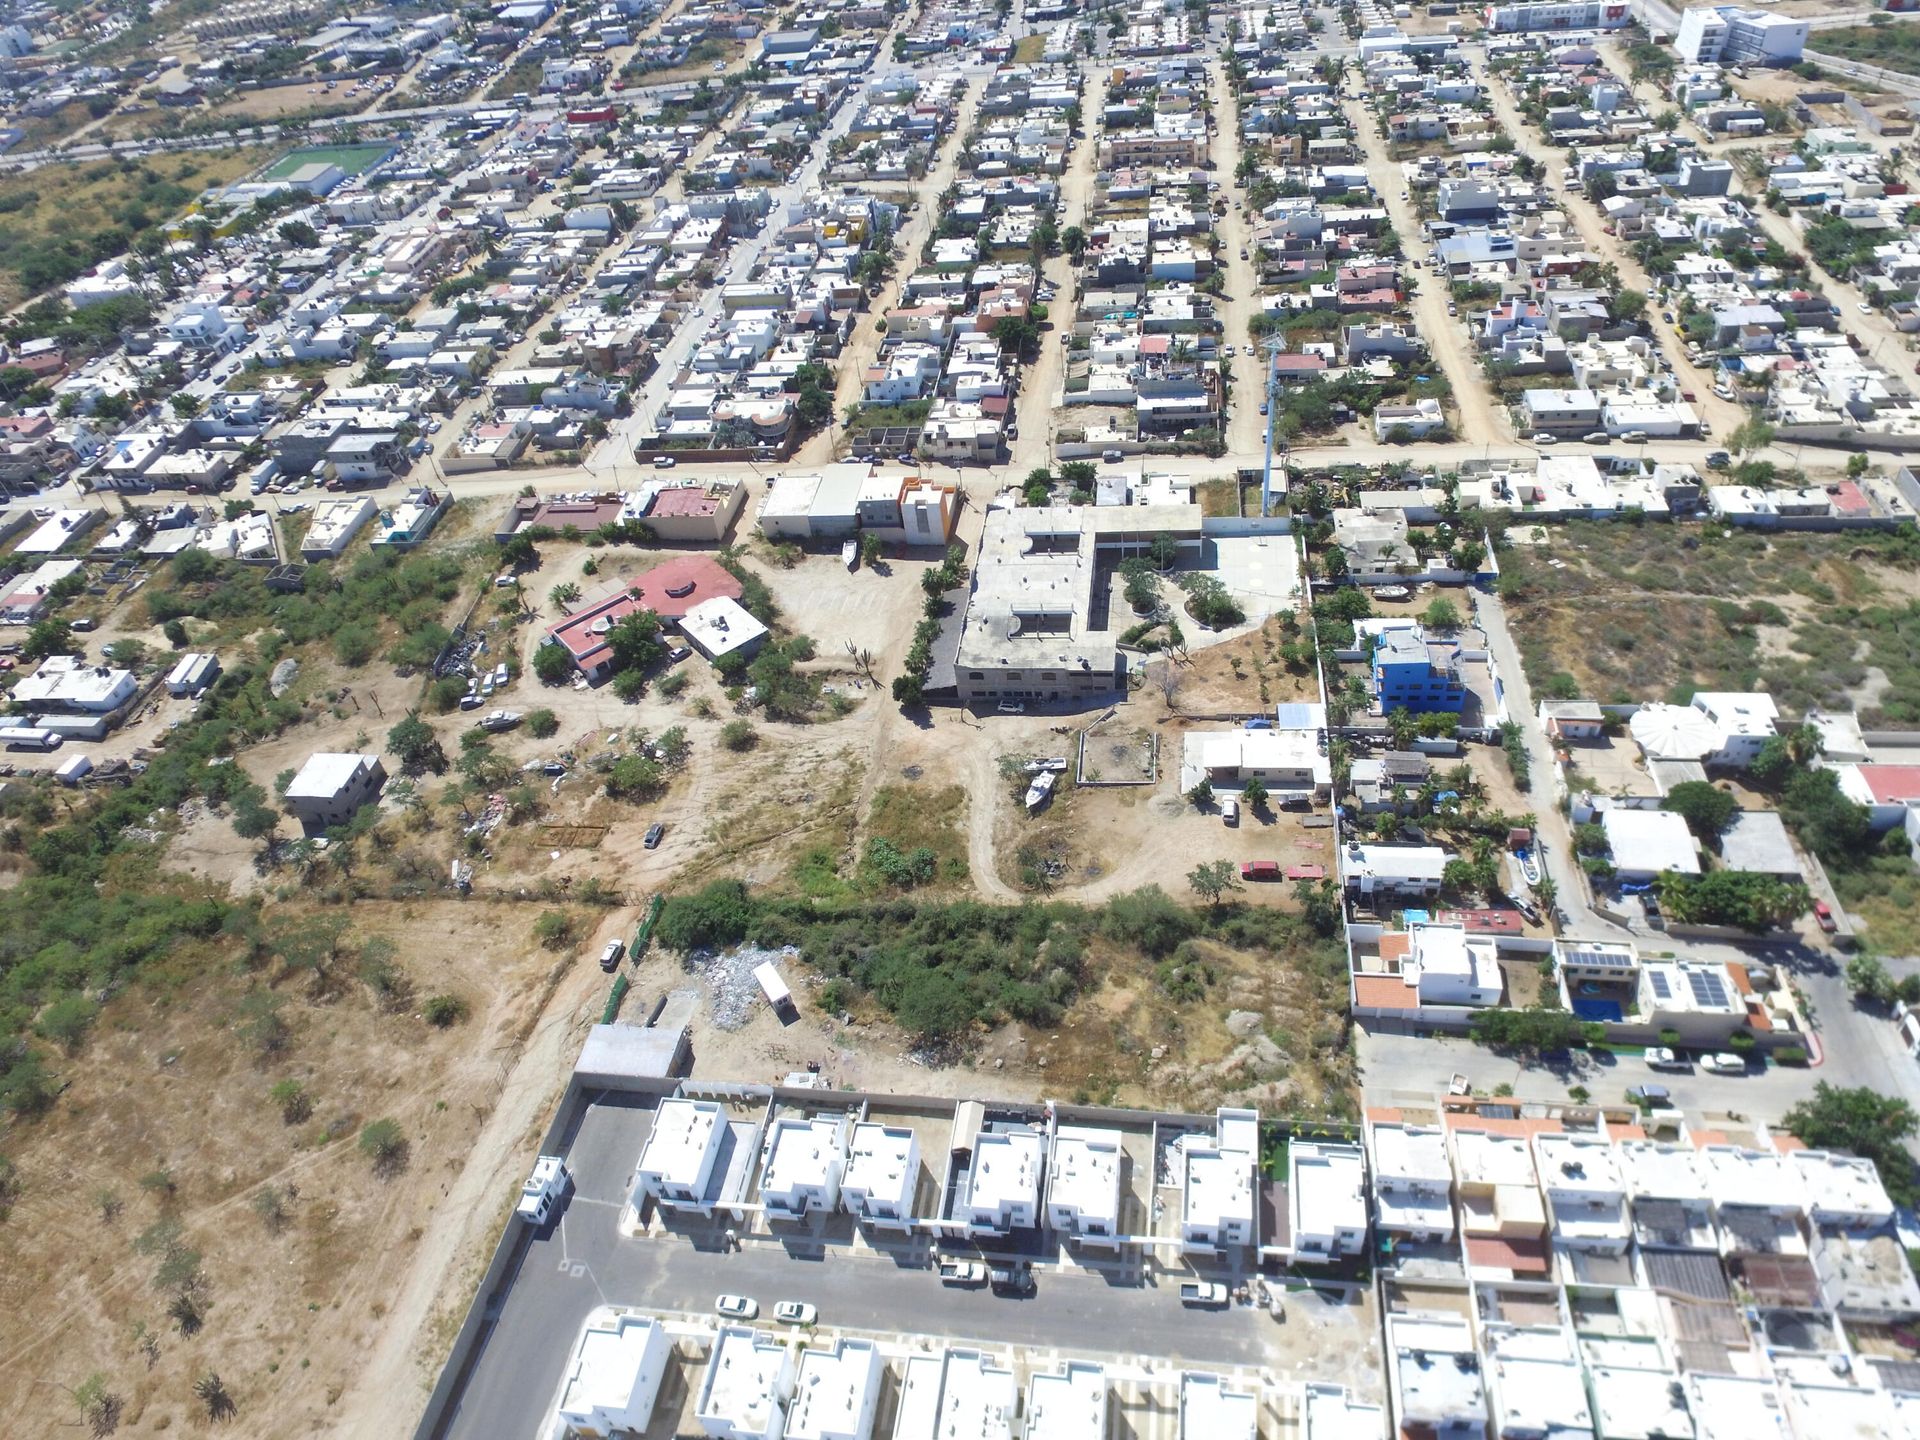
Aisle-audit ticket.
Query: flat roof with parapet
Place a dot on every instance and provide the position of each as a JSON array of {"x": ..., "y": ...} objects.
[
  {"x": 743, "y": 1380},
  {"x": 1069, "y": 1405},
  {"x": 1736, "y": 1407},
  {"x": 801, "y": 1154},
  {"x": 682, "y": 1135},
  {"x": 326, "y": 775},
  {"x": 1218, "y": 1185},
  {"x": 881, "y": 1162},
  {"x": 1084, "y": 1173},
  {"x": 1327, "y": 1183},
  {"x": 1637, "y": 1404},
  {"x": 693, "y": 500},
  {"x": 1210, "y": 1411},
  {"x": 1006, "y": 1169},
  {"x": 606, "y": 1365},
  {"x": 1843, "y": 1183},
  {"x": 955, "y": 1395},
  {"x": 1536, "y": 1382},
  {"x": 1435, "y": 1386},
  {"x": 832, "y": 1390}
]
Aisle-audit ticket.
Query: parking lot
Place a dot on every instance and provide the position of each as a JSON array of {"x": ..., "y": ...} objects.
[{"x": 581, "y": 1261}]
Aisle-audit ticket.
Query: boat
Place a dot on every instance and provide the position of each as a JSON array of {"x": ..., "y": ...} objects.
[
  {"x": 850, "y": 554},
  {"x": 1041, "y": 789},
  {"x": 1529, "y": 865},
  {"x": 498, "y": 720},
  {"x": 1392, "y": 592}
]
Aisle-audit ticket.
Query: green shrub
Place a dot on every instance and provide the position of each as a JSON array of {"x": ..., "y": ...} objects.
[
  {"x": 1789, "y": 1055},
  {"x": 441, "y": 1011}
]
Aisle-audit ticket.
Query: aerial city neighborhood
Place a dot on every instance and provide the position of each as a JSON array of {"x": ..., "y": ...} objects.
[{"x": 1230, "y": 691}]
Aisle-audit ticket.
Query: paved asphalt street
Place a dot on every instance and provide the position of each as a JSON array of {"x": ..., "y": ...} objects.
[{"x": 581, "y": 1261}]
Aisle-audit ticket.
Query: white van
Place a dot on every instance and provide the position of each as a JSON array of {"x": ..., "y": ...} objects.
[{"x": 1230, "y": 811}]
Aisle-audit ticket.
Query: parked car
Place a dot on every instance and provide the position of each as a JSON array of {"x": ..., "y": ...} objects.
[
  {"x": 1230, "y": 811},
  {"x": 664, "y": 462},
  {"x": 1723, "y": 1062},
  {"x": 610, "y": 957},
  {"x": 655, "y": 832},
  {"x": 1653, "y": 1096},
  {"x": 1011, "y": 707},
  {"x": 1259, "y": 869},
  {"x": 1823, "y": 917},
  {"x": 962, "y": 1272},
  {"x": 677, "y": 653},
  {"x": 737, "y": 1307},
  {"x": 1202, "y": 1292},
  {"x": 795, "y": 1312},
  {"x": 1541, "y": 437},
  {"x": 1659, "y": 1057},
  {"x": 1113, "y": 457},
  {"x": 1013, "y": 1279}
]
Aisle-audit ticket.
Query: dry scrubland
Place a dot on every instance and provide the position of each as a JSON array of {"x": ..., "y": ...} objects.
[{"x": 174, "y": 1215}]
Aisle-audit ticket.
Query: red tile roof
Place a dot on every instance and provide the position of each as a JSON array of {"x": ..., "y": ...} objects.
[{"x": 669, "y": 590}]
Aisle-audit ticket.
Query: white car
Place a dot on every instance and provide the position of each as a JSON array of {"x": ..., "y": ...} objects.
[
  {"x": 1723, "y": 1063},
  {"x": 664, "y": 462},
  {"x": 795, "y": 1312},
  {"x": 737, "y": 1307},
  {"x": 1658, "y": 1057}
]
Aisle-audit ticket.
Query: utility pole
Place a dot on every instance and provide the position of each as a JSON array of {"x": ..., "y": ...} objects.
[{"x": 1272, "y": 392}]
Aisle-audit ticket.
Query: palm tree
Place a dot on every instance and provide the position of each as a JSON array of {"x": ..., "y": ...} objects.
[{"x": 212, "y": 1392}]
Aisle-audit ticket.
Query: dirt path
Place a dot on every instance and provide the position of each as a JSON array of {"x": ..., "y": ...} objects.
[
  {"x": 405, "y": 1358},
  {"x": 1246, "y": 430},
  {"x": 983, "y": 782}
]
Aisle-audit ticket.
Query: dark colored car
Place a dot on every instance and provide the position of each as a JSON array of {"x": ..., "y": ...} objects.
[{"x": 655, "y": 832}]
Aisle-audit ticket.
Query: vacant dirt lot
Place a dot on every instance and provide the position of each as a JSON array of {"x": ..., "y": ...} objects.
[{"x": 1815, "y": 619}]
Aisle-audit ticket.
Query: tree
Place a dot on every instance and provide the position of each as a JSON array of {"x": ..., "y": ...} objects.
[
  {"x": 1254, "y": 792},
  {"x": 1442, "y": 614},
  {"x": 564, "y": 594},
  {"x": 100, "y": 1408},
  {"x": 415, "y": 745},
  {"x": 385, "y": 1145},
  {"x": 1211, "y": 879},
  {"x": 1202, "y": 794},
  {"x": 630, "y": 685},
  {"x": 739, "y": 735},
  {"x": 935, "y": 1006},
  {"x": 1869, "y": 980},
  {"x": 184, "y": 404},
  {"x": 299, "y": 233},
  {"x": 1627, "y": 306},
  {"x": 1528, "y": 1032},
  {"x": 635, "y": 641},
  {"x": 1705, "y": 807},
  {"x": 634, "y": 777},
  {"x": 870, "y": 549},
  {"x": 1864, "y": 1123},
  {"x": 291, "y": 1097},
  {"x": 51, "y": 636},
  {"x": 1164, "y": 551},
  {"x": 1750, "y": 435},
  {"x": 552, "y": 664},
  {"x": 1837, "y": 829},
  {"x": 1741, "y": 898}
]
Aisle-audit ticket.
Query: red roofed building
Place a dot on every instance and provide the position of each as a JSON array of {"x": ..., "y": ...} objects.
[
  {"x": 1888, "y": 791},
  {"x": 669, "y": 590}
]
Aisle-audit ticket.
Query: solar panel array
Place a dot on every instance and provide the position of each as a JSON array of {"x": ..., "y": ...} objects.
[
  {"x": 1658, "y": 979},
  {"x": 1709, "y": 990}
]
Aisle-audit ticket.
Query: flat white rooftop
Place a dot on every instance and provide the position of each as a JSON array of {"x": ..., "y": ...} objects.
[
  {"x": 956, "y": 1395},
  {"x": 1218, "y": 1185},
  {"x": 882, "y": 1162},
  {"x": 1736, "y": 1407},
  {"x": 1071, "y": 1405},
  {"x": 1638, "y": 1404},
  {"x": 607, "y": 1365},
  {"x": 1006, "y": 1170},
  {"x": 834, "y": 1392},
  {"x": 1662, "y": 1172},
  {"x": 802, "y": 1154},
  {"x": 1085, "y": 1173},
  {"x": 745, "y": 1380},
  {"x": 1210, "y": 1411},
  {"x": 680, "y": 1143},
  {"x": 1841, "y": 1184},
  {"x": 1328, "y": 1184},
  {"x": 1536, "y": 1383},
  {"x": 1333, "y": 1414}
]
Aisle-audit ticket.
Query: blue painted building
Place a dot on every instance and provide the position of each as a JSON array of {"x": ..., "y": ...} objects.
[{"x": 1411, "y": 673}]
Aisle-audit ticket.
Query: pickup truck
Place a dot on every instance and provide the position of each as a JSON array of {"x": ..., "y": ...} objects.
[
  {"x": 1202, "y": 1292},
  {"x": 962, "y": 1272}
]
